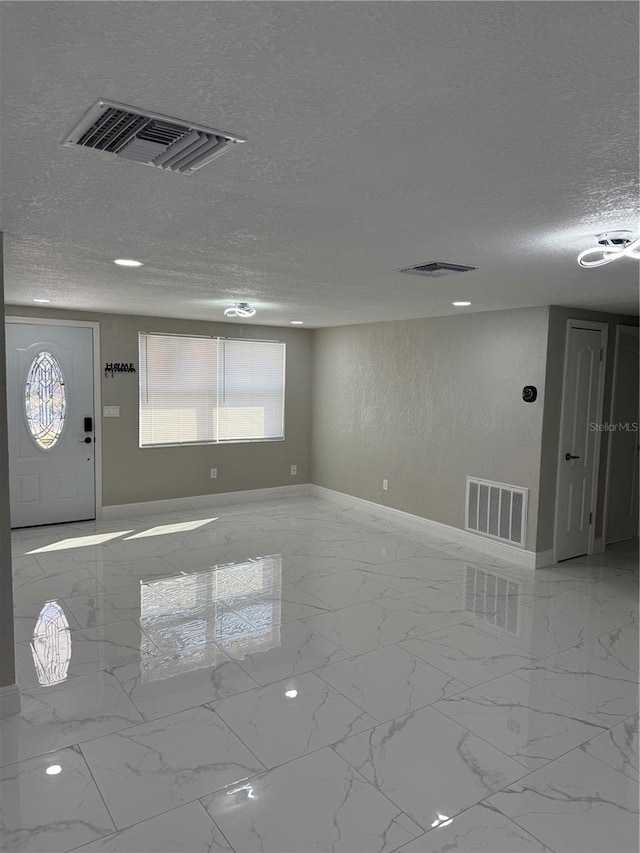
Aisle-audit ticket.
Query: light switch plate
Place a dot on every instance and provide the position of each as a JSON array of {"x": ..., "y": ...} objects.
[{"x": 111, "y": 411}]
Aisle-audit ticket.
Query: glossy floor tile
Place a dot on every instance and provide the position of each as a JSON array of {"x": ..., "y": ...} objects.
[
  {"x": 363, "y": 627},
  {"x": 527, "y": 723},
  {"x": 618, "y": 747},
  {"x": 582, "y": 678},
  {"x": 64, "y": 714},
  {"x": 468, "y": 653},
  {"x": 314, "y": 803},
  {"x": 389, "y": 682},
  {"x": 290, "y": 718},
  {"x": 186, "y": 828},
  {"x": 480, "y": 828},
  {"x": 575, "y": 804},
  {"x": 50, "y": 803},
  {"x": 429, "y": 765},
  {"x": 299, "y": 676},
  {"x": 155, "y": 766}
]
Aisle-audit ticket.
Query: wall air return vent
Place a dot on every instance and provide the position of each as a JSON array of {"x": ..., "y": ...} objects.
[
  {"x": 497, "y": 510},
  {"x": 435, "y": 269},
  {"x": 149, "y": 138}
]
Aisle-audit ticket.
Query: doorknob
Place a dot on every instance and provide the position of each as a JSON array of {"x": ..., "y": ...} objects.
[
  {"x": 568, "y": 456},
  {"x": 86, "y": 440}
]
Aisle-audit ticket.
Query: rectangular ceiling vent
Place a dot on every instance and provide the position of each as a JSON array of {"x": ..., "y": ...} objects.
[
  {"x": 435, "y": 269},
  {"x": 149, "y": 138}
]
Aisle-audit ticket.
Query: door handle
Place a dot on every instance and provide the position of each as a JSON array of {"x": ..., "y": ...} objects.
[
  {"x": 568, "y": 456},
  {"x": 86, "y": 440}
]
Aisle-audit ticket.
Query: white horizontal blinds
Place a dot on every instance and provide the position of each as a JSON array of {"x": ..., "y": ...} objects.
[
  {"x": 251, "y": 390},
  {"x": 178, "y": 389},
  {"x": 195, "y": 390}
]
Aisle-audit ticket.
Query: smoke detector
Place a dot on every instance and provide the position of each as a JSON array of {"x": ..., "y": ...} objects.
[
  {"x": 149, "y": 138},
  {"x": 435, "y": 269}
]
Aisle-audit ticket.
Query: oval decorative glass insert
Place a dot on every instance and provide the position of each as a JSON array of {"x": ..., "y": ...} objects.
[{"x": 45, "y": 400}]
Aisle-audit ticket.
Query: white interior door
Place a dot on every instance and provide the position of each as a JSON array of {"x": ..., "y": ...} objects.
[
  {"x": 50, "y": 406},
  {"x": 622, "y": 470},
  {"x": 579, "y": 440}
]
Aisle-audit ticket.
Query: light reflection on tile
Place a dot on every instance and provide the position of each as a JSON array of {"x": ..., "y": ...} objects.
[
  {"x": 51, "y": 644},
  {"x": 197, "y": 618}
]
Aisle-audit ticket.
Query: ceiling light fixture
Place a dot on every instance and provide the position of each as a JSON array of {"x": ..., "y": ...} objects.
[
  {"x": 291, "y": 694},
  {"x": 125, "y": 262},
  {"x": 53, "y": 770},
  {"x": 611, "y": 246},
  {"x": 461, "y": 304},
  {"x": 41, "y": 301},
  {"x": 297, "y": 322},
  {"x": 240, "y": 309}
]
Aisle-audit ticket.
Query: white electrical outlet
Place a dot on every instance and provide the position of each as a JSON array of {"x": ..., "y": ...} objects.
[
  {"x": 294, "y": 470},
  {"x": 214, "y": 473},
  {"x": 385, "y": 485}
]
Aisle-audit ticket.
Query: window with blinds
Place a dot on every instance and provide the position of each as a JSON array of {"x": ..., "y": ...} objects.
[{"x": 196, "y": 390}]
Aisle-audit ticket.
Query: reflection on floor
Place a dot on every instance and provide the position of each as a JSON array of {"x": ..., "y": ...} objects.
[{"x": 296, "y": 676}]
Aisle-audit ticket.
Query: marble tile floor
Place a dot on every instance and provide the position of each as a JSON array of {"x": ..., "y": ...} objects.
[{"x": 294, "y": 676}]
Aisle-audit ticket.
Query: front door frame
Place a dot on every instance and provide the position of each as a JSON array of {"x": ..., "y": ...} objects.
[
  {"x": 97, "y": 390},
  {"x": 604, "y": 329}
]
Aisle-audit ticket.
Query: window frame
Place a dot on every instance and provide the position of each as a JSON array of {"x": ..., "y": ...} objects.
[{"x": 214, "y": 442}]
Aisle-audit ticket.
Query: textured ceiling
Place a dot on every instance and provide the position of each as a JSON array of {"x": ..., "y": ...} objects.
[{"x": 501, "y": 135}]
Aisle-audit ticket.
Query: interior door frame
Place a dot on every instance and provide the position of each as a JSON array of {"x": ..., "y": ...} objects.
[
  {"x": 619, "y": 332},
  {"x": 97, "y": 391},
  {"x": 603, "y": 328}
]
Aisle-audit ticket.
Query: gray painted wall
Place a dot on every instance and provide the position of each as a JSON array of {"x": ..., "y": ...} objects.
[
  {"x": 558, "y": 317},
  {"x": 424, "y": 403},
  {"x": 132, "y": 474},
  {"x": 7, "y": 663}
]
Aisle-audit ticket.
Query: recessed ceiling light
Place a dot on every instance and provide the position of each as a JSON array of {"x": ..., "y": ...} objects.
[
  {"x": 41, "y": 300},
  {"x": 297, "y": 322},
  {"x": 53, "y": 770},
  {"x": 126, "y": 262},
  {"x": 291, "y": 694},
  {"x": 240, "y": 309},
  {"x": 461, "y": 304}
]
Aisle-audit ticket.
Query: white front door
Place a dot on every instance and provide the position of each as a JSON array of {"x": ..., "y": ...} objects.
[
  {"x": 579, "y": 439},
  {"x": 622, "y": 480},
  {"x": 51, "y": 423}
]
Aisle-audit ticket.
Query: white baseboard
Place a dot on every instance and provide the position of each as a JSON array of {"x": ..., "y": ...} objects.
[
  {"x": 204, "y": 501},
  {"x": 545, "y": 558},
  {"x": 518, "y": 556},
  {"x": 9, "y": 701}
]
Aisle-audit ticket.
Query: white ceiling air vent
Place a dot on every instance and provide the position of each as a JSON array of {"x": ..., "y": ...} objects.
[
  {"x": 435, "y": 269},
  {"x": 149, "y": 138}
]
